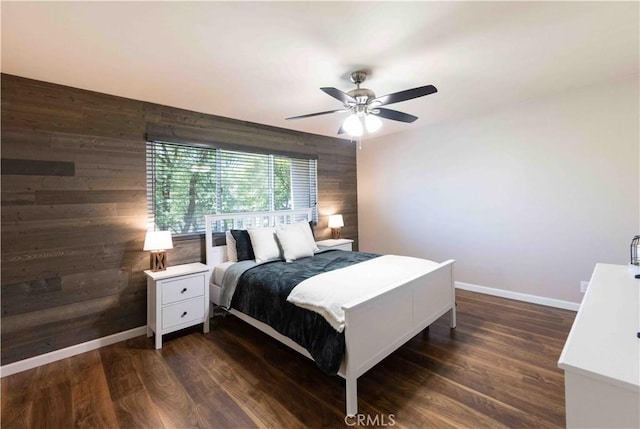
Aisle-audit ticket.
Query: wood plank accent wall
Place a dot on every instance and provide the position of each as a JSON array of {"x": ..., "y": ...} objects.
[{"x": 74, "y": 207}]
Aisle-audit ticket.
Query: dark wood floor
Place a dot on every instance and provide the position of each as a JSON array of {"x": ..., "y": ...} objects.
[{"x": 497, "y": 369}]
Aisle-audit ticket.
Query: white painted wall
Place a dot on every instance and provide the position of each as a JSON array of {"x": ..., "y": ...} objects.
[{"x": 526, "y": 199}]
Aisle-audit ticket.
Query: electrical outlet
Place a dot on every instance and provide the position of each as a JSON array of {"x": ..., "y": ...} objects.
[{"x": 584, "y": 285}]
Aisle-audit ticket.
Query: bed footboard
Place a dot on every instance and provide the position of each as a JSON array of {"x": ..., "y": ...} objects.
[{"x": 378, "y": 325}]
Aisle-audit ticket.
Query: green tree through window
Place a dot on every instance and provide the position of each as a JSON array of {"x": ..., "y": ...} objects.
[{"x": 184, "y": 183}]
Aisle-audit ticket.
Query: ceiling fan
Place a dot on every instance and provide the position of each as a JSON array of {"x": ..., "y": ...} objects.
[{"x": 364, "y": 106}]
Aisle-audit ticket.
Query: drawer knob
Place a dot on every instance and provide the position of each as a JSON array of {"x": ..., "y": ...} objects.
[
  {"x": 184, "y": 314},
  {"x": 183, "y": 290}
]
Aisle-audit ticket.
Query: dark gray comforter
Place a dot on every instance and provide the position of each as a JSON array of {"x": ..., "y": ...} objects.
[{"x": 262, "y": 290}]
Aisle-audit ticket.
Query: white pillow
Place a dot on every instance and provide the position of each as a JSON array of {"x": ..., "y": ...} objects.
[
  {"x": 306, "y": 231},
  {"x": 294, "y": 244},
  {"x": 264, "y": 243},
  {"x": 232, "y": 253}
]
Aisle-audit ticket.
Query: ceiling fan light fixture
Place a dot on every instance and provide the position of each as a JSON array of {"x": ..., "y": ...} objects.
[
  {"x": 353, "y": 126},
  {"x": 372, "y": 123},
  {"x": 362, "y": 103}
]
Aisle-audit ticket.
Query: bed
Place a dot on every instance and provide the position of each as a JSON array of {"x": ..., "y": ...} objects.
[{"x": 369, "y": 333}]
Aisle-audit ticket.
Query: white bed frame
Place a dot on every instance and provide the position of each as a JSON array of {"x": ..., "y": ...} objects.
[{"x": 375, "y": 326}]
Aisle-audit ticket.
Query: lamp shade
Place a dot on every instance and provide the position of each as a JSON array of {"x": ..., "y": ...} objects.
[
  {"x": 158, "y": 240},
  {"x": 335, "y": 221},
  {"x": 372, "y": 123},
  {"x": 353, "y": 126}
]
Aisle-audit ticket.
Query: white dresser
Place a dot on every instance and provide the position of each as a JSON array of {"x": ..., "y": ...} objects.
[{"x": 601, "y": 358}]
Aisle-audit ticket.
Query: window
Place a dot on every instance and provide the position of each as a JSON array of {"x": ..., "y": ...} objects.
[{"x": 184, "y": 183}]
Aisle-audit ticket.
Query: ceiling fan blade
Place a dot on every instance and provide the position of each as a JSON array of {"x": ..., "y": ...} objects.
[
  {"x": 394, "y": 115},
  {"x": 408, "y": 94},
  {"x": 339, "y": 95},
  {"x": 317, "y": 114}
]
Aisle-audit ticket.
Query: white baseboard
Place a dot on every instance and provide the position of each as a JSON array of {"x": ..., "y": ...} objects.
[
  {"x": 550, "y": 302},
  {"x": 56, "y": 355}
]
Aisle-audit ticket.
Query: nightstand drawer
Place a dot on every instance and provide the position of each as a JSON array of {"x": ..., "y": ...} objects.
[
  {"x": 346, "y": 247},
  {"x": 182, "y": 312},
  {"x": 182, "y": 288}
]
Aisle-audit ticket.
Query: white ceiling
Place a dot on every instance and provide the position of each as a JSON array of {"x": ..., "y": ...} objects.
[{"x": 264, "y": 61}]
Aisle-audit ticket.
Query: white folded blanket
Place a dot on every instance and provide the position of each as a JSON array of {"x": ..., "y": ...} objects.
[{"x": 327, "y": 293}]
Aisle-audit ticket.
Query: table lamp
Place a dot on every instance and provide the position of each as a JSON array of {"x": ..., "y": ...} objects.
[
  {"x": 335, "y": 223},
  {"x": 157, "y": 242}
]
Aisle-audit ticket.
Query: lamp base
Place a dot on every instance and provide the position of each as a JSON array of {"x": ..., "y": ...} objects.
[
  {"x": 159, "y": 260},
  {"x": 335, "y": 233}
]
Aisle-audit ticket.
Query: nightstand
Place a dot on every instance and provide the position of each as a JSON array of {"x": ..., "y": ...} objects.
[
  {"x": 342, "y": 244},
  {"x": 177, "y": 298}
]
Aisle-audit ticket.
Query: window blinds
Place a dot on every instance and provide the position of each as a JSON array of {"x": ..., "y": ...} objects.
[{"x": 184, "y": 183}]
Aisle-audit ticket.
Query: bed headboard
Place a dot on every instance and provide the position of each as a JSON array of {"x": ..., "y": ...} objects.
[{"x": 225, "y": 222}]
